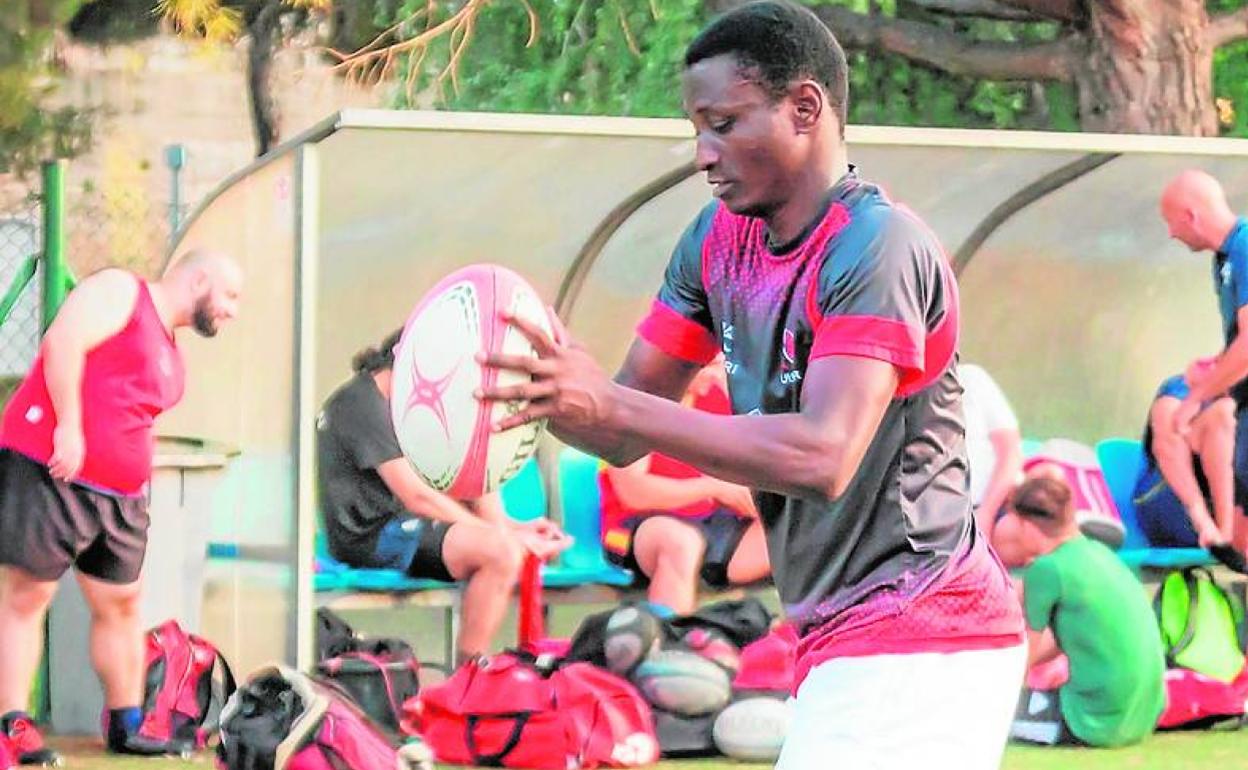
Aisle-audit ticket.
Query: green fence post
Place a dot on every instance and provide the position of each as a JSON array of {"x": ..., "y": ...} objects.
[{"x": 55, "y": 281}]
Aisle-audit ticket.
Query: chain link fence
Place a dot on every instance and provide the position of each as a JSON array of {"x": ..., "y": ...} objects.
[
  {"x": 20, "y": 244},
  {"x": 119, "y": 211}
]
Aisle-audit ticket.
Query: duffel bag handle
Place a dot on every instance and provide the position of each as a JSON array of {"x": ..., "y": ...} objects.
[{"x": 519, "y": 720}]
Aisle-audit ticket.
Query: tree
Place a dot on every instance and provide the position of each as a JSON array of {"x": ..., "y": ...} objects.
[
  {"x": 1137, "y": 66},
  {"x": 30, "y": 129},
  {"x": 1095, "y": 65},
  {"x": 263, "y": 22}
]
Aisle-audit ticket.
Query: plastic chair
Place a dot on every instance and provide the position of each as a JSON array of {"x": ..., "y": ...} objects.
[
  {"x": 1121, "y": 461},
  {"x": 524, "y": 495},
  {"x": 583, "y": 562}
]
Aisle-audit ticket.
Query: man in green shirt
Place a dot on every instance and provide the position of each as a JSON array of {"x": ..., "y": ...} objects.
[{"x": 1081, "y": 600}]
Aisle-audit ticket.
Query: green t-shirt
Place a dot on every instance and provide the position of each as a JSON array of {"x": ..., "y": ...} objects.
[{"x": 1105, "y": 625}]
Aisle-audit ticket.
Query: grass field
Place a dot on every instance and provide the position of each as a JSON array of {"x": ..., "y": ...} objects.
[{"x": 1173, "y": 751}]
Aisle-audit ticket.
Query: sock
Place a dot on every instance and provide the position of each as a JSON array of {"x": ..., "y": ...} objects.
[
  {"x": 122, "y": 723},
  {"x": 660, "y": 611}
]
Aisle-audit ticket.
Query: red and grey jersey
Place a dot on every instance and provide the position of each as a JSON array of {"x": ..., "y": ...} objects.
[{"x": 895, "y": 564}]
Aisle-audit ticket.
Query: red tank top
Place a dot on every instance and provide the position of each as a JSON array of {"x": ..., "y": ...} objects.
[
  {"x": 127, "y": 380},
  {"x": 614, "y": 512}
]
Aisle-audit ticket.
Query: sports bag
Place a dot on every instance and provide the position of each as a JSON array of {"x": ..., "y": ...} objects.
[
  {"x": 186, "y": 684},
  {"x": 506, "y": 711},
  {"x": 1202, "y": 625}
]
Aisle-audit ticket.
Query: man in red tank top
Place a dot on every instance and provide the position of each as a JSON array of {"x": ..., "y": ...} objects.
[{"x": 76, "y": 446}]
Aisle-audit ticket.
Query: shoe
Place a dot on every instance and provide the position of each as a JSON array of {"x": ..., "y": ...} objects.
[
  {"x": 1098, "y": 526},
  {"x": 27, "y": 740},
  {"x": 141, "y": 746},
  {"x": 1230, "y": 557}
]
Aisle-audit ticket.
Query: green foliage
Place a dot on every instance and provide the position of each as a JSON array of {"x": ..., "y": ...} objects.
[
  {"x": 615, "y": 57},
  {"x": 1230, "y": 77},
  {"x": 585, "y": 61},
  {"x": 30, "y": 129}
]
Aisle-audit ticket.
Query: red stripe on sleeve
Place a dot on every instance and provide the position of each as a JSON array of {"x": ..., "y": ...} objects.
[
  {"x": 678, "y": 336},
  {"x": 872, "y": 337}
]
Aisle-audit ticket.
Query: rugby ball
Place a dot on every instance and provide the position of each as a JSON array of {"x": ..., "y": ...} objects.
[
  {"x": 443, "y": 430},
  {"x": 753, "y": 729},
  {"x": 631, "y": 635},
  {"x": 682, "y": 682}
]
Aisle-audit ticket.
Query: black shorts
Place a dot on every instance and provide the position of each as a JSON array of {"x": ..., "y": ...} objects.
[
  {"x": 413, "y": 545},
  {"x": 47, "y": 526},
  {"x": 721, "y": 529}
]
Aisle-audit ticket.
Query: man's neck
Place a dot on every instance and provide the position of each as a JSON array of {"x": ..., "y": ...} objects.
[
  {"x": 166, "y": 308},
  {"x": 1220, "y": 229},
  {"x": 806, "y": 203}
]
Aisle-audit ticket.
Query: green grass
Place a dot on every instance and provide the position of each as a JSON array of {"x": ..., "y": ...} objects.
[{"x": 1171, "y": 751}]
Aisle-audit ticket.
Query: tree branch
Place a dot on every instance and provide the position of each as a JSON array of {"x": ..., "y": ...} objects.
[
  {"x": 949, "y": 51},
  {"x": 1057, "y": 10},
  {"x": 1227, "y": 28},
  {"x": 986, "y": 9}
]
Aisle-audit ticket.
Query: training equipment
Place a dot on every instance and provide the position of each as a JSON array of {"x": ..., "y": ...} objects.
[
  {"x": 379, "y": 673},
  {"x": 508, "y": 711},
  {"x": 713, "y": 645},
  {"x": 682, "y": 682},
  {"x": 1203, "y": 625},
  {"x": 284, "y": 720},
  {"x": 444, "y": 431},
  {"x": 185, "y": 687},
  {"x": 631, "y": 635},
  {"x": 753, "y": 729}
]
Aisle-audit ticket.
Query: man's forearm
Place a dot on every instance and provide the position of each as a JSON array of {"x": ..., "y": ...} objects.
[
  {"x": 1230, "y": 368},
  {"x": 782, "y": 453}
]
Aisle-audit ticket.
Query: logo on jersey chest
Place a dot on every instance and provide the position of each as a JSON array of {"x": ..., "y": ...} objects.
[
  {"x": 1224, "y": 273},
  {"x": 789, "y": 373}
]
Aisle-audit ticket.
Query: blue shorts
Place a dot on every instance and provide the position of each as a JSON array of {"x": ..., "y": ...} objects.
[
  {"x": 414, "y": 546},
  {"x": 1162, "y": 517}
]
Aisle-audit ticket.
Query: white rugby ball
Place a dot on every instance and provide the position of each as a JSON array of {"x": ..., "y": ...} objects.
[
  {"x": 442, "y": 429},
  {"x": 753, "y": 729}
]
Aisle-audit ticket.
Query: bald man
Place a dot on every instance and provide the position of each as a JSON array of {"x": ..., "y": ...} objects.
[
  {"x": 1197, "y": 214},
  {"x": 76, "y": 447}
]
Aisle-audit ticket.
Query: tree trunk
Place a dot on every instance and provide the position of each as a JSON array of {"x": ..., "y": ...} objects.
[
  {"x": 1148, "y": 69},
  {"x": 263, "y": 31}
]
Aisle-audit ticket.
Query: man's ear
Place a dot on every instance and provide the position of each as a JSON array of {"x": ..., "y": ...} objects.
[{"x": 809, "y": 103}]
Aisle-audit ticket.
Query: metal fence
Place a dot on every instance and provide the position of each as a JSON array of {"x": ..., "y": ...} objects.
[{"x": 21, "y": 243}]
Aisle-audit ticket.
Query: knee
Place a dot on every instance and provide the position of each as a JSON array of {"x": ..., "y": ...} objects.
[
  {"x": 681, "y": 550},
  {"x": 122, "y": 607},
  {"x": 26, "y": 597},
  {"x": 502, "y": 554}
]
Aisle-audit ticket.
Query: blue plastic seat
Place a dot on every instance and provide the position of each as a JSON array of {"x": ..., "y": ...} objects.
[
  {"x": 1121, "y": 461},
  {"x": 584, "y": 562}
]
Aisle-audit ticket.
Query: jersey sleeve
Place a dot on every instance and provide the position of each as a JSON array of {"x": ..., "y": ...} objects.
[
  {"x": 1041, "y": 590},
  {"x": 1237, "y": 257},
  {"x": 365, "y": 432},
  {"x": 679, "y": 322},
  {"x": 880, "y": 295}
]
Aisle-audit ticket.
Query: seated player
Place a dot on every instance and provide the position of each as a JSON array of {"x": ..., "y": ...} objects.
[
  {"x": 994, "y": 447},
  {"x": 1185, "y": 476},
  {"x": 669, "y": 523},
  {"x": 379, "y": 513},
  {"x": 1079, "y": 599}
]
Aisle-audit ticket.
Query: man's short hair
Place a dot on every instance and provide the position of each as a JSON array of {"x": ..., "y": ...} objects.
[
  {"x": 1045, "y": 501},
  {"x": 777, "y": 42}
]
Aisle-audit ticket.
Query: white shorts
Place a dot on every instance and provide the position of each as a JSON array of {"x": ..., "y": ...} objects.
[{"x": 924, "y": 710}]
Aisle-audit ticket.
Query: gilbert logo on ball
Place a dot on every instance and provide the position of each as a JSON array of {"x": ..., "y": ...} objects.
[{"x": 442, "y": 429}]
